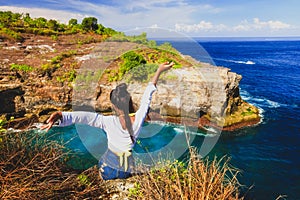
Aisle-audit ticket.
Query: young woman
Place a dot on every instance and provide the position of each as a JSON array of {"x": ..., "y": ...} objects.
[{"x": 117, "y": 161}]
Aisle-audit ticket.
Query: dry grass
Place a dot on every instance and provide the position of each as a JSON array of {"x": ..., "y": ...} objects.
[
  {"x": 199, "y": 180},
  {"x": 33, "y": 167}
]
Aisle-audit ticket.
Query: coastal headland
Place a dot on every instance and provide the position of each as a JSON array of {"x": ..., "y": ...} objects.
[{"x": 42, "y": 73}]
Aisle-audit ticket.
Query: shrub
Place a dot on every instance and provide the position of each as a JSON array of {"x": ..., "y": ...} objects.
[
  {"x": 89, "y": 23},
  {"x": 11, "y": 34},
  {"x": 130, "y": 60},
  {"x": 168, "y": 47},
  {"x": 54, "y": 37},
  {"x": 68, "y": 76},
  {"x": 121, "y": 37},
  {"x": 48, "y": 69},
  {"x": 197, "y": 179},
  {"x": 141, "y": 73},
  {"x": 56, "y": 59},
  {"x": 2, "y": 123},
  {"x": 23, "y": 68}
]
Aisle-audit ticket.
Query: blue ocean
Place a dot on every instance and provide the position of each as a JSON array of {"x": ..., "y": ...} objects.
[{"x": 267, "y": 154}]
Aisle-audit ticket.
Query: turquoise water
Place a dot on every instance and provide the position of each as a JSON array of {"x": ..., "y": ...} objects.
[{"x": 154, "y": 142}]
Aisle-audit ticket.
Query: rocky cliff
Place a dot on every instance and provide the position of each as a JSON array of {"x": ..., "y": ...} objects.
[
  {"x": 203, "y": 96},
  {"x": 38, "y": 77}
]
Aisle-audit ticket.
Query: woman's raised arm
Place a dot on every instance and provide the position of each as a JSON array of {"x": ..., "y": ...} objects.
[{"x": 161, "y": 68}]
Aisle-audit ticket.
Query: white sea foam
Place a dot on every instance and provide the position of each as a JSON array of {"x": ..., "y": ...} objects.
[
  {"x": 273, "y": 104},
  {"x": 264, "y": 102},
  {"x": 259, "y": 101},
  {"x": 248, "y": 62},
  {"x": 211, "y": 132}
]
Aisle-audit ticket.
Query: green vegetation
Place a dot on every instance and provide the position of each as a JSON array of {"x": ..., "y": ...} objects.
[
  {"x": 89, "y": 24},
  {"x": 50, "y": 67},
  {"x": 55, "y": 63},
  {"x": 248, "y": 112},
  {"x": 141, "y": 73},
  {"x": 84, "y": 180},
  {"x": 142, "y": 39},
  {"x": 2, "y": 123},
  {"x": 23, "y": 68},
  {"x": 85, "y": 79},
  {"x": 138, "y": 65},
  {"x": 89, "y": 76},
  {"x": 245, "y": 112},
  {"x": 69, "y": 76},
  {"x": 121, "y": 37},
  {"x": 168, "y": 47},
  {"x": 130, "y": 60},
  {"x": 57, "y": 59},
  {"x": 12, "y": 24},
  {"x": 10, "y": 34}
]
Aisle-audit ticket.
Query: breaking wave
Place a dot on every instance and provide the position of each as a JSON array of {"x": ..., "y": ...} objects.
[
  {"x": 261, "y": 102},
  {"x": 248, "y": 62}
]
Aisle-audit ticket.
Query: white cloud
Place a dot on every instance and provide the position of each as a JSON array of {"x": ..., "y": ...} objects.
[
  {"x": 154, "y": 26},
  {"x": 245, "y": 26},
  {"x": 201, "y": 26},
  {"x": 257, "y": 24}
]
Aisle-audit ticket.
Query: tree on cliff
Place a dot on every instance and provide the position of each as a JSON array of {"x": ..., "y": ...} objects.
[
  {"x": 73, "y": 22},
  {"x": 40, "y": 22},
  {"x": 53, "y": 25},
  {"x": 89, "y": 24},
  {"x": 9, "y": 19}
]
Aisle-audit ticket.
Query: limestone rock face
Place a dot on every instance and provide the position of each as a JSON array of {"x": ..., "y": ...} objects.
[
  {"x": 191, "y": 92},
  {"x": 186, "y": 93}
]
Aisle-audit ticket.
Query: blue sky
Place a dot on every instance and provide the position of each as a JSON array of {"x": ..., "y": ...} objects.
[{"x": 198, "y": 18}]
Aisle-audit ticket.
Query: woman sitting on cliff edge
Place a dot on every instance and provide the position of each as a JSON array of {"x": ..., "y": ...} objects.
[{"x": 117, "y": 161}]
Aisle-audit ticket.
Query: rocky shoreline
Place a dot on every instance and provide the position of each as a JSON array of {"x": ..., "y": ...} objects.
[{"x": 29, "y": 96}]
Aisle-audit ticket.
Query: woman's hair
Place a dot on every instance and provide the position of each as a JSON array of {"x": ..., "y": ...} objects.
[{"x": 121, "y": 98}]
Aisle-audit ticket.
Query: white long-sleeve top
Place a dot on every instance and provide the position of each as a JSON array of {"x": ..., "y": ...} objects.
[{"x": 118, "y": 139}]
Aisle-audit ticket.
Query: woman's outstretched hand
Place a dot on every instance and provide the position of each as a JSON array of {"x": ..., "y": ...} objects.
[
  {"x": 165, "y": 66},
  {"x": 52, "y": 119},
  {"x": 161, "y": 68}
]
